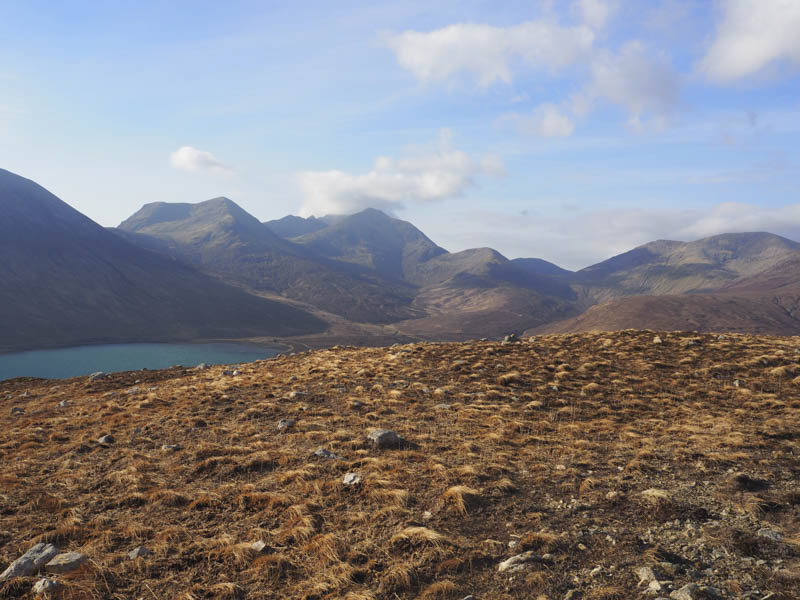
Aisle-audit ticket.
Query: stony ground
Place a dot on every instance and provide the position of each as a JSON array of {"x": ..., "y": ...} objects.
[{"x": 605, "y": 466}]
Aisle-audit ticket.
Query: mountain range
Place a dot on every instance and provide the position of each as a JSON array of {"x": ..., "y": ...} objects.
[{"x": 177, "y": 271}]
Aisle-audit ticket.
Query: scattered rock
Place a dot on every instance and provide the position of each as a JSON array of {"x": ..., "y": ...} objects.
[
  {"x": 646, "y": 575},
  {"x": 258, "y": 546},
  {"x": 511, "y": 338},
  {"x": 352, "y": 479},
  {"x": 17, "y": 410},
  {"x": 139, "y": 552},
  {"x": 385, "y": 438},
  {"x": 442, "y": 406},
  {"x": 286, "y": 424},
  {"x": 106, "y": 440},
  {"x": 691, "y": 591},
  {"x": 45, "y": 586},
  {"x": 30, "y": 562},
  {"x": 518, "y": 562},
  {"x": 171, "y": 447},
  {"x": 63, "y": 404},
  {"x": 202, "y": 367},
  {"x": 66, "y": 562},
  {"x": 324, "y": 453},
  {"x": 97, "y": 376},
  {"x": 658, "y": 340},
  {"x": 770, "y": 534}
]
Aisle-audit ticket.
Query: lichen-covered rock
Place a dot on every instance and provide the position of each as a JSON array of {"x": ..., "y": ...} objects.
[
  {"x": 45, "y": 586},
  {"x": 30, "y": 562},
  {"x": 518, "y": 562},
  {"x": 66, "y": 562}
]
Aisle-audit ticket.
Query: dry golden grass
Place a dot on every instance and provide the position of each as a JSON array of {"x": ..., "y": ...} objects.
[{"x": 573, "y": 447}]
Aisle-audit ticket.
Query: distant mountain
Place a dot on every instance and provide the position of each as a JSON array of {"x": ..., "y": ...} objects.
[
  {"x": 540, "y": 267},
  {"x": 65, "y": 280},
  {"x": 485, "y": 268},
  {"x": 221, "y": 238},
  {"x": 669, "y": 267},
  {"x": 291, "y": 226},
  {"x": 392, "y": 248}
]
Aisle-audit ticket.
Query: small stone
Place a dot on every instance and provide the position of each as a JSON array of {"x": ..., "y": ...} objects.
[
  {"x": 203, "y": 366},
  {"x": 66, "y": 562},
  {"x": 30, "y": 562},
  {"x": 770, "y": 534},
  {"x": 258, "y": 546},
  {"x": 427, "y": 515},
  {"x": 655, "y": 586},
  {"x": 646, "y": 575},
  {"x": 518, "y": 562},
  {"x": 385, "y": 438},
  {"x": 351, "y": 479},
  {"x": 442, "y": 406},
  {"x": 171, "y": 447},
  {"x": 691, "y": 591},
  {"x": 595, "y": 572},
  {"x": 17, "y": 410},
  {"x": 139, "y": 552},
  {"x": 325, "y": 453},
  {"x": 658, "y": 340},
  {"x": 106, "y": 439},
  {"x": 286, "y": 424},
  {"x": 63, "y": 404},
  {"x": 511, "y": 338},
  {"x": 97, "y": 375},
  {"x": 470, "y": 597},
  {"x": 45, "y": 586}
]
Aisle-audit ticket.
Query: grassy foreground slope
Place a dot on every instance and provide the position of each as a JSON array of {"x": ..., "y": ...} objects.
[{"x": 591, "y": 455}]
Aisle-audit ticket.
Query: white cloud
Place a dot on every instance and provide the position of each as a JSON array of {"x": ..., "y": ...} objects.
[
  {"x": 752, "y": 35},
  {"x": 546, "y": 120},
  {"x": 643, "y": 84},
  {"x": 433, "y": 173},
  {"x": 575, "y": 240},
  {"x": 187, "y": 158},
  {"x": 595, "y": 13},
  {"x": 487, "y": 51}
]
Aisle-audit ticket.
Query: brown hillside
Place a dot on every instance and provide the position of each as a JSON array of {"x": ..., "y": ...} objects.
[
  {"x": 595, "y": 460},
  {"x": 750, "y": 312}
]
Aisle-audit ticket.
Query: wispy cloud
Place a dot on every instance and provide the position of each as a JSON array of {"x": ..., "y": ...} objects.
[
  {"x": 187, "y": 158},
  {"x": 574, "y": 240},
  {"x": 487, "y": 52},
  {"x": 752, "y": 35},
  {"x": 426, "y": 174},
  {"x": 634, "y": 77},
  {"x": 546, "y": 120}
]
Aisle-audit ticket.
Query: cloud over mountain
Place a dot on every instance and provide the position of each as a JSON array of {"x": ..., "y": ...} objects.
[
  {"x": 430, "y": 173},
  {"x": 187, "y": 158}
]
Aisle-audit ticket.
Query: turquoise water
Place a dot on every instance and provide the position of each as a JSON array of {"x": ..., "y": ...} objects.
[{"x": 83, "y": 360}]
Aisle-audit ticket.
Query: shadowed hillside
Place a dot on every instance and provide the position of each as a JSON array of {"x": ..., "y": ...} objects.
[
  {"x": 65, "y": 280},
  {"x": 220, "y": 237}
]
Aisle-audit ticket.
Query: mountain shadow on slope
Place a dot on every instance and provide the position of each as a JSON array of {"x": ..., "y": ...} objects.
[
  {"x": 222, "y": 239},
  {"x": 64, "y": 280}
]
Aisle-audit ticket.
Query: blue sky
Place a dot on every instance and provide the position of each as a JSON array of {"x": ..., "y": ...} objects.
[{"x": 566, "y": 130}]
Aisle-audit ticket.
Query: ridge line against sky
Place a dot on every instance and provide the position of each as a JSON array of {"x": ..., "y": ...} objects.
[{"x": 570, "y": 131}]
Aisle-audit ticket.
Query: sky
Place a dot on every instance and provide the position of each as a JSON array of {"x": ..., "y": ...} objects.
[{"x": 567, "y": 130}]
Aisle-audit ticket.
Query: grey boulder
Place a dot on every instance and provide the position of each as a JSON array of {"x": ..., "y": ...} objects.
[{"x": 30, "y": 562}]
